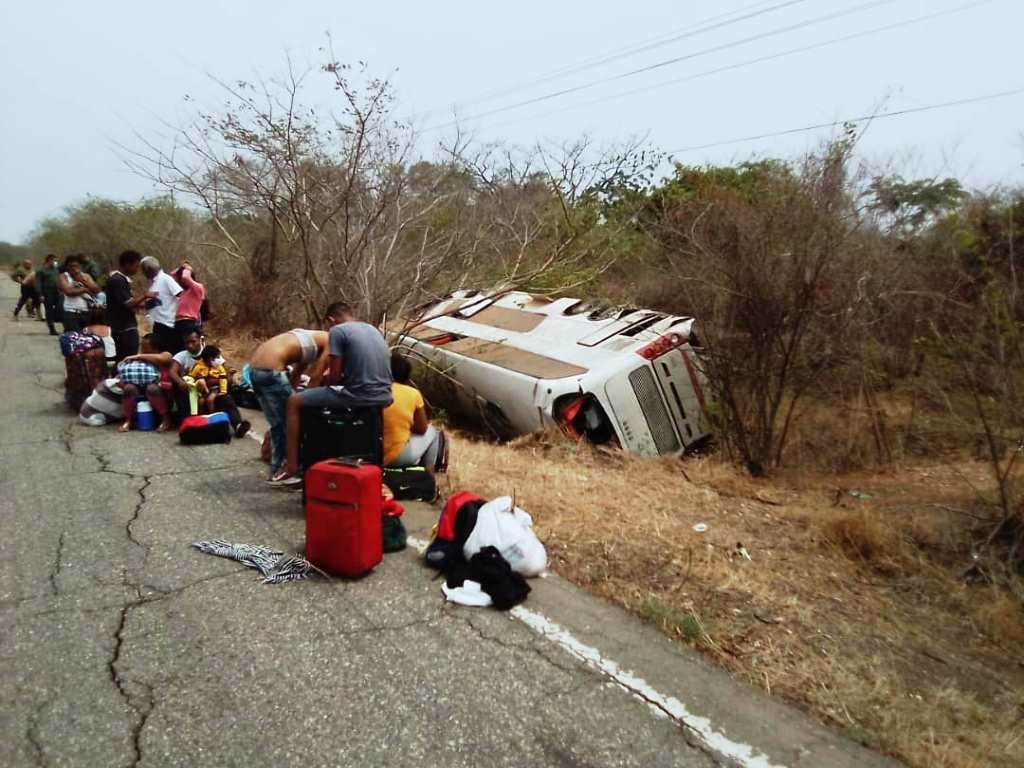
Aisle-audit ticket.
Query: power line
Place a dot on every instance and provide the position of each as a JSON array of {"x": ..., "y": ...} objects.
[
  {"x": 706, "y": 25},
  {"x": 748, "y": 62},
  {"x": 853, "y": 120},
  {"x": 668, "y": 62}
]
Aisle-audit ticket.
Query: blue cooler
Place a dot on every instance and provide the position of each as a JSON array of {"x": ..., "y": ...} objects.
[{"x": 145, "y": 418}]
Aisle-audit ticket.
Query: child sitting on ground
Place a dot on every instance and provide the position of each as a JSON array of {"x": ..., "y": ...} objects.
[
  {"x": 211, "y": 378},
  {"x": 146, "y": 373}
]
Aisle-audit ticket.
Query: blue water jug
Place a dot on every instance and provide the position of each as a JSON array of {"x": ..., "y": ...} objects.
[{"x": 145, "y": 419}]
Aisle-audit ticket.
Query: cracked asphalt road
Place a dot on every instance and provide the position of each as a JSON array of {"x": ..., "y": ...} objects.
[{"x": 122, "y": 646}]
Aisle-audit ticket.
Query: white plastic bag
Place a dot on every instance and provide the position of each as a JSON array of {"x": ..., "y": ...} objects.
[{"x": 511, "y": 533}]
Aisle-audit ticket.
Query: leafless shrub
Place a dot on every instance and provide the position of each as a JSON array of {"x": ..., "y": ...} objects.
[{"x": 777, "y": 269}]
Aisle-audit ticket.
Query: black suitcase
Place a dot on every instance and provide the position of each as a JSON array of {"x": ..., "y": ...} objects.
[{"x": 341, "y": 433}]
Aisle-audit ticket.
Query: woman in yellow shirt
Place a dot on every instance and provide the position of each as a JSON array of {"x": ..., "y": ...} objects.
[{"x": 409, "y": 439}]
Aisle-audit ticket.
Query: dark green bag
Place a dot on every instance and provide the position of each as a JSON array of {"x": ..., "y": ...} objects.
[{"x": 394, "y": 534}]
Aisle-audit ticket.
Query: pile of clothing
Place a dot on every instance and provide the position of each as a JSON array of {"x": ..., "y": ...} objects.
[{"x": 486, "y": 550}]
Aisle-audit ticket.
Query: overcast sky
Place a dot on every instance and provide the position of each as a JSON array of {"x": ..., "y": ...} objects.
[{"x": 76, "y": 78}]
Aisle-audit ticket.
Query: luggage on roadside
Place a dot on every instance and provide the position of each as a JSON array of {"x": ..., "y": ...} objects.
[
  {"x": 441, "y": 464},
  {"x": 457, "y": 520},
  {"x": 241, "y": 390},
  {"x": 205, "y": 430},
  {"x": 412, "y": 483},
  {"x": 344, "y": 526},
  {"x": 395, "y": 536},
  {"x": 76, "y": 342},
  {"x": 341, "y": 433},
  {"x": 510, "y": 531},
  {"x": 104, "y": 405},
  {"x": 83, "y": 371},
  {"x": 244, "y": 397}
]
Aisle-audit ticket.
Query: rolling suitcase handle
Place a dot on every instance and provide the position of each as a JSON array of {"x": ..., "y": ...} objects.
[{"x": 346, "y": 462}]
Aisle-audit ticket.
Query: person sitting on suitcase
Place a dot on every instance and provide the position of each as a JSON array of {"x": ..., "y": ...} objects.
[
  {"x": 409, "y": 439},
  {"x": 358, "y": 376},
  {"x": 142, "y": 373},
  {"x": 275, "y": 370}
]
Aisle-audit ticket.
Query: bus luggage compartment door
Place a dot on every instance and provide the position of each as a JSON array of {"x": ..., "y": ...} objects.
[
  {"x": 643, "y": 420},
  {"x": 686, "y": 409}
]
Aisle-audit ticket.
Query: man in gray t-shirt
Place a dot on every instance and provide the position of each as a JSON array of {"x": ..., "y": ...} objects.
[
  {"x": 358, "y": 375},
  {"x": 360, "y": 363}
]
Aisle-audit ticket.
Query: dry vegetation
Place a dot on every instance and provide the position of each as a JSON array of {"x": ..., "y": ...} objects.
[{"x": 850, "y": 606}]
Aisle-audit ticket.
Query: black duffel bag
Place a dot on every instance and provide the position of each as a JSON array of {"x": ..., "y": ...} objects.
[{"x": 411, "y": 484}]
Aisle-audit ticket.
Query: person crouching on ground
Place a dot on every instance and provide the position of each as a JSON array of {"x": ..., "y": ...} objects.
[
  {"x": 211, "y": 378},
  {"x": 409, "y": 439},
  {"x": 358, "y": 376},
  {"x": 146, "y": 373},
  {"x": 276, "y": 368}
]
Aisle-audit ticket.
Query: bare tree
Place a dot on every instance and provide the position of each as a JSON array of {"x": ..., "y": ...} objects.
[
  {"x": 771, "y": 262},
  {"x": 326, "y": 195},
  {"x": 339, "y": 204}
]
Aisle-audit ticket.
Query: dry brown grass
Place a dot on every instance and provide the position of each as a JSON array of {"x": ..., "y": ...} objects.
[{"x": 845, "y": 608}]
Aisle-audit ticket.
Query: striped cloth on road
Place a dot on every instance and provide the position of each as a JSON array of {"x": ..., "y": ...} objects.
[{"x": 274, "y": 565}]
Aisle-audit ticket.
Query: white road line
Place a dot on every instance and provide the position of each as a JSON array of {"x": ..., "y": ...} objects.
[{"x": 660, "y": 704}]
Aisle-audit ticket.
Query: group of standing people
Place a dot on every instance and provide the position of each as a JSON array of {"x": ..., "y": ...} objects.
[
  {"x": 174, "y": 304},
  {"x": 73, "y": 291},
  {"x": 59, "y": 292}
]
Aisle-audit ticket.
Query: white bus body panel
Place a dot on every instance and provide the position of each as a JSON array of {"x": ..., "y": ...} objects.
[{"x": 654, "y": 407}]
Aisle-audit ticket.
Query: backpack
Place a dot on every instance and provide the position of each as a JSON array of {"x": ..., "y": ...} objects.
[
  {"x": 414, "y": 483},
  {"x": 205, "y": 430},
  {"x": 395, "y": 536}
]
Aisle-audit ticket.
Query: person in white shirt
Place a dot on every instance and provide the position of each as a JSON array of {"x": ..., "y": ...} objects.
[
  {"x": 78, "y": 289},
  {"x": 163, "y": 307}
]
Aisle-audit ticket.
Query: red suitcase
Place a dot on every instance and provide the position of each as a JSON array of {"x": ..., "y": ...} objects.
[{"x": 343, "y": 517}]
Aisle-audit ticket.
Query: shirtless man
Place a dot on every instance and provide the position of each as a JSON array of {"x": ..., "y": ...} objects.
[{"x": 305, "y": 352}]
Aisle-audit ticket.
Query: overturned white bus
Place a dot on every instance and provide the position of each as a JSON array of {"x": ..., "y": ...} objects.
[{"x": 610, "y": 375}]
